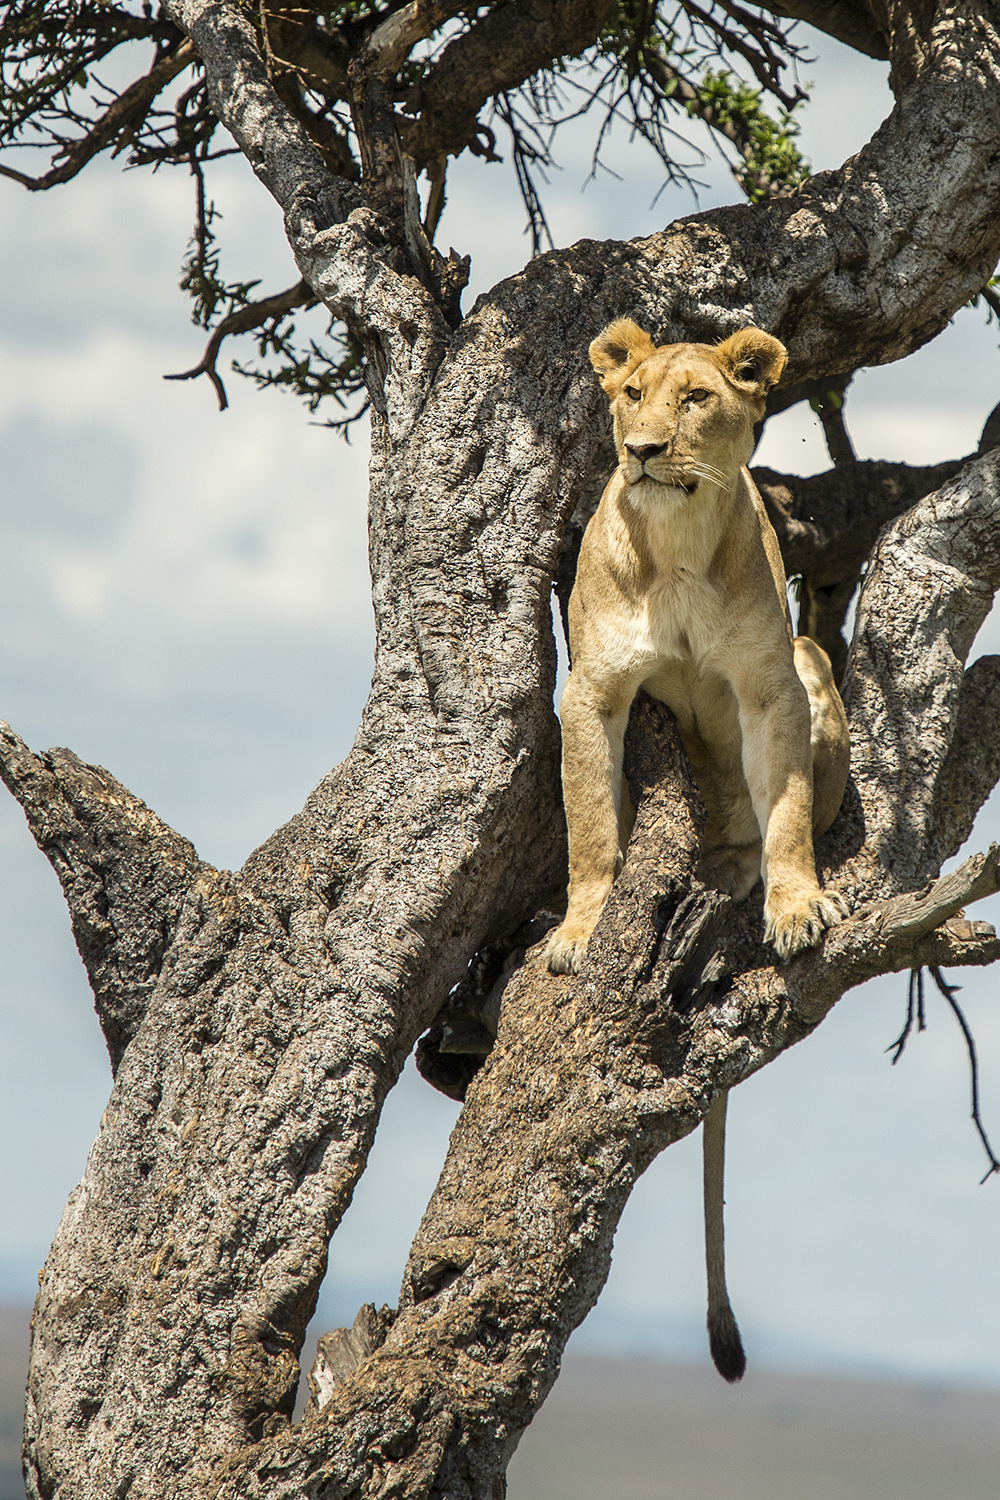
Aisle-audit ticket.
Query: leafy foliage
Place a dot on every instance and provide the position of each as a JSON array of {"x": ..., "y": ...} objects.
[
  {"x": 311, "y": 372},
  {"x": 769, "y": 160},
  {"x": 336, "y": 369}
]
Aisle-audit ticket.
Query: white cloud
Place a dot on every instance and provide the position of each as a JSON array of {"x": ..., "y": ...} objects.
[{"x": 242, "y": 518}]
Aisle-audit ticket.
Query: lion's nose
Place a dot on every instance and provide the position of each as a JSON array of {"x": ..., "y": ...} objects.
[{"x": 645, "y": 451}]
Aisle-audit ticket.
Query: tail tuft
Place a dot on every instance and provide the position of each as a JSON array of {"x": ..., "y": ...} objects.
[{"x": 726, "y": 1345}]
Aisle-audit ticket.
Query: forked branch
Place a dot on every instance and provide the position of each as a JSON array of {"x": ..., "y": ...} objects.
[
  {"x": 125, "y": 874},
  {"x": 242, "y": 320}
]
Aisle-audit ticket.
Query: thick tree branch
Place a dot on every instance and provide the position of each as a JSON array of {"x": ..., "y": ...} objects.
[
  {"x": 850, "y": 21},
  {"x": 944, "y": 552},
  {"x": 124, "y": 873},
  {"x": 501, "y": 50},
  {"x": 972, "y": 766},
  {"x": 827, "y": 524}
]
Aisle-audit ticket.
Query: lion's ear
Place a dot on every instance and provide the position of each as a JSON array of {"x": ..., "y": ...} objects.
[
  {"x": 752, "y": 361},
  {"x": 617, "y": 350}
]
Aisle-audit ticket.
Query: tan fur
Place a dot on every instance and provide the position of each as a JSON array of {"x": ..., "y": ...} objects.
[{"x": 680, "y": 590}]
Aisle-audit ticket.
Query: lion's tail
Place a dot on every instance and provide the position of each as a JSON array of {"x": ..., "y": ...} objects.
[{"x": 723, "y": 1334}]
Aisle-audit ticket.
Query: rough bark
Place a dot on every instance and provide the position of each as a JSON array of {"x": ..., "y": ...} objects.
[
  {"x": 854, "y": 22},
  {"x": 827, "y": 525},
  {"x": 265, "y": 1014}
]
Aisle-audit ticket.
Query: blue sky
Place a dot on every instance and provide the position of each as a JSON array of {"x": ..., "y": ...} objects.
[{"x": 184, "y": 599}]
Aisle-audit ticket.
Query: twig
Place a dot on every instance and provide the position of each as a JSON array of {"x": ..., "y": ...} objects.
[
  {"x": 118, "y": 123},
  {"x": 949, "y": 991},
  {"x": 765, "y": 63},
  {"x": 269, "y": 58},
  {"x": 915, "y": 1007},
  {"x": 525, "y": 155},
  {"x": 241, "y": 321}
]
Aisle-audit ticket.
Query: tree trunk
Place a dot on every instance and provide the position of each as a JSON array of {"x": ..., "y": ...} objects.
[{"x": 258, "y": 1019}]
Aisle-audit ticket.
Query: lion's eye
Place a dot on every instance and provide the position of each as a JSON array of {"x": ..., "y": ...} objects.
[
  {"x": 698, "y": 395},
  {"x": 633, "y": 393}
]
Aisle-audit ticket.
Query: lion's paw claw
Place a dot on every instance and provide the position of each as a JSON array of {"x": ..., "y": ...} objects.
[
  {"x": 803, "y": 926},
  {"x": 565, "y": 952}
]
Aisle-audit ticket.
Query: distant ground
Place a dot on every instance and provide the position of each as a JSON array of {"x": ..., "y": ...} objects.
[
  {"x": 14, "y": 1323},
  {"x": 639, "y": 1430}
]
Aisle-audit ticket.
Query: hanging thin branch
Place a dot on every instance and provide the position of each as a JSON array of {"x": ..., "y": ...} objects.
[
  {"x": 915, "y": 1012},
  {"x": 527, "y": 154},
  {"x": 949, "y": 992},
  {"x": 914, "y": 1009}
]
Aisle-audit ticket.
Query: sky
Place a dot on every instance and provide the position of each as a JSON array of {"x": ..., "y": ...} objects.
[{"x": 184, "y": 600}]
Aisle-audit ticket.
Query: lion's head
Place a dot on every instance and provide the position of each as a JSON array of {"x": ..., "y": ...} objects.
[{"x": 684, "y": 414}]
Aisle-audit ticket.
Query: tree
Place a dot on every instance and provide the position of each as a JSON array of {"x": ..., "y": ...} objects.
[{"x": 257, "y": 1020}]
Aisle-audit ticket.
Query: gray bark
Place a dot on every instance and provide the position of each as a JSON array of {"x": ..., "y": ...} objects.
[
  {"x": 260, "y": 1017},
  {"x": 852, "y": 21}
]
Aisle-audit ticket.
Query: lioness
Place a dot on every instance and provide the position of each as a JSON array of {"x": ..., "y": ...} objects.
[{"x": 680, "y": 589}]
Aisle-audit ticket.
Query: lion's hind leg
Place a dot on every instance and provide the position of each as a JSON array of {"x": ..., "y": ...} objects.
[
  {"x": 731, "y": 847},
  {"x": 829, "y": 738},
  {"x": 802, "y": 922},
  {"x": 732, "y": 869}
]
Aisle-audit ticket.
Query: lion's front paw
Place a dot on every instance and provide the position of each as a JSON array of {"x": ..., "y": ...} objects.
[
  {"x": 801, "y": 923},
  {"x": 566, "y": 949}
]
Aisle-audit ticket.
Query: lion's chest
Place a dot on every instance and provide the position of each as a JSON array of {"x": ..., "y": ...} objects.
[
  {"x": 668, "y": 641},
  {"x": 679, "y": 621}
]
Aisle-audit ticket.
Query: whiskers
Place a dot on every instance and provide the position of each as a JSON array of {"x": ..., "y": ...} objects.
[
  {"x": 681, "y": 480},
  {"x": 702, "y": 470}
]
